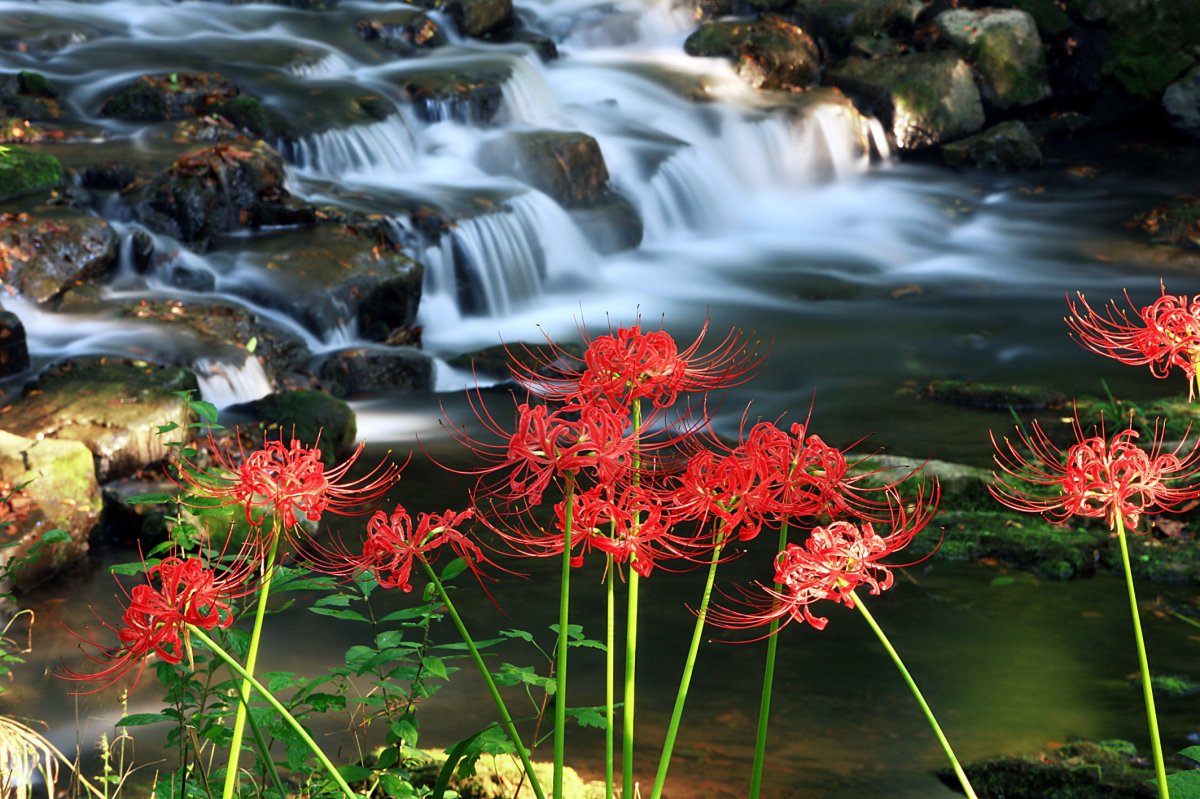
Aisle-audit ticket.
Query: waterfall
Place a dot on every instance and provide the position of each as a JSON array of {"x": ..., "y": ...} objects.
[
  {"x": 225, "y": 383},
  {"x": 381, "y": 145},
  {"x": 495, "y": 263}
]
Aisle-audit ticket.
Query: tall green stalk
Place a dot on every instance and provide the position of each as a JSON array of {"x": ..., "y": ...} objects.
[
  {"x": 248, "y": 680},
  {"x": 239, "y": 722},
  {"x": 1160, "y": 770},
  {"x": 689, "y": 665},
  {"x": 560, "y": 665},
  {"x": 505, "y": 718},
  {"x": 610, "y": 667},
  {"x": 912, "y": 685},
  {"x": 768, "y": 684},
  {"x": 631, "y": 632}
]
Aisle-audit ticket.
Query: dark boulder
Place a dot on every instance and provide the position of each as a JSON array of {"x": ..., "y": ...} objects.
[
  {"x": 566, "y": 165},
  {"x": 768, "y": 53},
  {"x": 14, "y": 351},
  {"x": 44, "y": 254},
  {"x": 1006, "y": 146},
  {"x": 218, "y": 189},
  {"x": 28, "y": 95},
  {"x": 470, "y": 93},
  {"x": 403, "y": 31},
  {"x": 360, "y": 370},
  {"x": 304, "y": 416}
]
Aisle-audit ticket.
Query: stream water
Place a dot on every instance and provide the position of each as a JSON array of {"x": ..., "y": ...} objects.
[{"x": 865, "y": 278}]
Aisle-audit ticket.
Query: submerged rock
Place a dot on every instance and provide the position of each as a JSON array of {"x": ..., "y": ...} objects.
[
  {"x": 114, "y": 407},
  {"x": 994, "y": 396},
  {"x": 45, "y": 253},
  {"x": 768, "y": 53},
  {"x": 1081, "y": 770},
  {"x": 59, "y": 493},
  {"x": 14, "y": 350},
  {"x": 23, "y": 171},
  {"x": 1007, "y": 146},
  {"x": 404, "y": 31},
  {"x": 1004, "y": 46},
  {"x": 924, "y": 99},
  {"x": 360, "y": 370}
]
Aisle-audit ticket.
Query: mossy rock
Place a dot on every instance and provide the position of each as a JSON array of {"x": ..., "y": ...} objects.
[
  {"x": 1051, "y": 19},
  {"x": 994, "y": 396},
  {"x": 1150, "y": 45},
  {"x": 23, "y": 171},
  {"x": 305, "y": 416},
  {"x": 767, "y": 53},
  {"x": 1080, "y": 770}
]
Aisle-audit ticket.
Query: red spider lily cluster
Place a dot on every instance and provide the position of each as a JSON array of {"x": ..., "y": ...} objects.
[
  {"x": 1162, "y": 335},
  {"x": 651, "y": 490},
  {"x": 178, "y": 592},
  {"x": 1096, "y": 477}
]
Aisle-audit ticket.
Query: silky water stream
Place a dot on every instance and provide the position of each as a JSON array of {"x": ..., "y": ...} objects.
[{"x": 864, "y": 278}]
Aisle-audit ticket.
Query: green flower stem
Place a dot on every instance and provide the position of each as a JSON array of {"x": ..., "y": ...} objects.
[
  {"x": 768, "y": 683},
  {"x": 912, "y": 685},
  {"x": 610, "y": 668},
  {"x": 560, "y": 665},
  {"x": 265, "y": 750},
  {"x": 631, "y": 631},
  {"x": 685, "y": 680},
  {"x": 248, "y": 679},
  {"x": 239, "y": 721},
  {"x": 505, "y": 717},
  {"x": 1160, "y": 770}
]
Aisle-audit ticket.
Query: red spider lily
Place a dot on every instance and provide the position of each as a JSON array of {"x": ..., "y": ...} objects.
[
  {"x": 550, "y": 443},
  {"x": 286, "y": 478},
  {"x": 394, "y": 542},
  {"x": 834, "y": 561},
  {"x": 1166, "y": 333},
  {"x": 1096, "y": 477},
  {"x": 188, "y": 591},
  {"x": 715, "y": 486},
  {"x": 628, "y": 364}
]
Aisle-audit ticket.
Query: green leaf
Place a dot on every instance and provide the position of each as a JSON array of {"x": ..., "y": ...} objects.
[
  {"x": 354, "y": 773},
  {"x": 408, "y": 614},
  {"x": 1184, "y": 784},
  {"x": 150, "y": 499},
  {"x": 1001, "y": 582},
  {"x": 513, "y": 675},
  {"x": 1192, "y": 753},
  {"x": 131, "y": 568},
  {"x": 589, "y": 716},
  {"x": 55, "y": 536},
  {"x": 521, "y": 634},
  {"x": 252, "y": 344},
  {"x": 139, "y": 719},
  {"x": 436, "y": 667},
  {"x": 340, "y": 613},
  {"x": 205, "y": 410},
  {"x": 404, "y": 730},
  {"x": 453, "y": 756},
  {"x": 453, "y": 569}
]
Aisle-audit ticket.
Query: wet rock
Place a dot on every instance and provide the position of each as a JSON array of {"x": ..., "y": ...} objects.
[
  {"x": 304, "y": 415},
  {"x": 60, "y": 493},
  {"x": 470, "y": 94},
  {"x": 44, "y": 254},
  {"x": 1007, "y": 146},
  {"x": 1051, "y": 19},
  {"x": 566, "y": 165},
  {"x": 334, "y": 276},
  {"x": 1147, "y": 47},
  {"x": 769, "y": 53},
  {"x": 112, "y": 406},
  {"x": 219, "y": 189},
  {"x": 107, "y": 177},
  {"x": 404, "y": 31},
  {"x": 611, "y": 225},
  {"x": 993, "y": 396},
  {"x": 1181, "y": 102},
  {"x": 1081, "y": 770},
  {"x": 837, "y": 22},
  {"x": 29, "y": 95},
  {"x": 1004, "y": 46},
  {"x": 356, "y": 371},
  {"x": 141, "y": 251},
  {"x": 476, "y": 18},
  {"x": 23, "y": 171},
  {"x": 14, "y": 351},
  {"x": 175, "y": 95},
  {"x": 924, "y": 99}
]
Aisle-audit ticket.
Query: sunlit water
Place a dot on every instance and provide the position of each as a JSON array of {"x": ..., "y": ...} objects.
[{"x": 865, "y": 279}]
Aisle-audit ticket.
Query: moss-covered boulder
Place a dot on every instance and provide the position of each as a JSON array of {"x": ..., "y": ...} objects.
[
  {"x": 29, "y": 95},
  {"x": 219, "y": 189},
  {"x": 479, "y": 17},
  {"x": 14, "y": 350},
  {"x": 994, "y": 396},
  {"x": 1008, "y": 146},
  {"x": 114, "y": 407},
  {"x": 187, "y": 95},
  {"x": 1081, "y": 770},
  {"x": 60, "y": 493},
  {"x": 1004, "y": 47},
  {"x": 303, "y": 415},
  {"x": 836, "y": 23},
  {"x": 44, "y": 254},
  {"x": 403, "y": 31},
  {"x": 23, "y": 171},
  {"x": 1148, "y": 46},
  {"x": 768, "y": 53},
  {"x": 924, "y": 99},
  {"x": 356, "y": 371},
  {"x": 1050, "y": 17}
]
